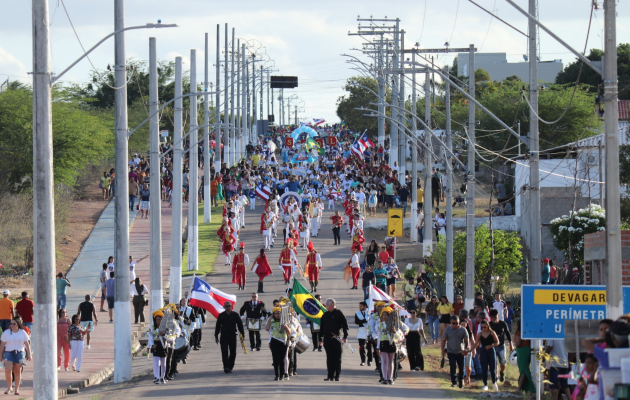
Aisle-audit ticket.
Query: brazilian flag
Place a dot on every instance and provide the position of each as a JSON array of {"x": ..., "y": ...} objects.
[
  {"x": 305, "y": 304},
  {"x": 310, "y": 143}
]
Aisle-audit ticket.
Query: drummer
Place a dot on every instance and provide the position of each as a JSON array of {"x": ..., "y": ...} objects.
[{"x": 254, "y": 311}]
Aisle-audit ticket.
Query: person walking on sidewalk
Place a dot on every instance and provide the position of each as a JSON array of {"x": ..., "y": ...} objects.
[
  {"x": 103, "y": 278},
  {"x": 487, "y": 340},
  {"x": 109, "y": 287},
  {"x": 62, "y": 285},
  {"x": 137, "y": 292},
  {"x": 15, "y": 347},
  {"x": 24, "y": 309},
  {"x": 455, "y": 344},
  {"x": 62, "y": 339},
  {"x": 87, "y": 315},
  {"x": 75, "y": 338},
  {"x": 133, "y": 193},
  {"x": 145, "y": 193}
]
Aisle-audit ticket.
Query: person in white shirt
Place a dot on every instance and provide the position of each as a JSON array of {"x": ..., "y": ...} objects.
[
  {"x": 500, "y": 306},
  {"x": 132, "y": 267},
  {"x": 356, "y": 268},
  {"x": 360, "y": 197}
]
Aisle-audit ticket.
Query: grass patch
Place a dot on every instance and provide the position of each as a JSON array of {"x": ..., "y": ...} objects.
[
  {"x": 209, "y": 244},
  {"x": 432, "y": 358}
]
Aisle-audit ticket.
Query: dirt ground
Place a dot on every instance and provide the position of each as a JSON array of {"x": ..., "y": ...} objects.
[{"x": 83, "y": 216}]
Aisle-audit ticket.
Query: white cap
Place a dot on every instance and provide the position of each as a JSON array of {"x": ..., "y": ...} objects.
[{"x": 6, "y": 292}]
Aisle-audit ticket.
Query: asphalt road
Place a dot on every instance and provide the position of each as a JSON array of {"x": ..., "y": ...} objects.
[{"x": 253, "y": 374}]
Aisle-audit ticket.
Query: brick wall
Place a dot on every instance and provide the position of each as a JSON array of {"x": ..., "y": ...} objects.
[{"x": 594, "y": 252}]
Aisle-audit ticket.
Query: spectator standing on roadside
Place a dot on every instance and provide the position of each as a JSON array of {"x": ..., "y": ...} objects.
[
  {"x": 103, "y": 278},
  {"x": 110, "y": 286},
  {"x": 6, "y": 310},
  {"x": 132, "y": 267},
  {"x": 404, "y": 195},
  {"x": 87, "y": 313},
  {"x": 24, "y": 309},
  {"x": 62, "y": 285}
]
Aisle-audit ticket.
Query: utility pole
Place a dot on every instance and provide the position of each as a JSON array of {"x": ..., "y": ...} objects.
[
  {"x": 45, "y": 333},
  {"x": 175, "y": 289},
  {"x": 534, "y": 168},
  {"x": 450, "y": 290},
  {"x": 254, "y": 109},
  {"x": 534, "y": 178},
  {"x": 217, "y": 118},
  {"x": 227, "y": 152},
  {"x": 427, "y": 247},
  {"x": 413, "y": 237},
  {"x": 244, "y": 131},
  {"x": 402, "y": 137},
  {"x": 207, "y": 203},
  {"x": 234, "y": 152},
  {"x": 600, "y": 175},
  {"x": 613, "y": 223},
  {"x": 393, "y": 130},
  {"x": 154, "y": 179},
  {"x": 193, "y": 216},
  {"x": 469, "y": 284},
  {"x": 238, "y": 124},
  {"x": 262, "y": 115},
  {"x": 122, "y": 325},
  {"x": 268, "y": 90},
  {"x": 295, "y": 118},
  {"x": 381, "y": 95}
]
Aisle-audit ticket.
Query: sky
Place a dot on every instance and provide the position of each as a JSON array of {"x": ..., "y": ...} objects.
[{"x": 304, "y": 39}]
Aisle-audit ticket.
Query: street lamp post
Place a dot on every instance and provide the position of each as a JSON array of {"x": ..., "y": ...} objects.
[{"x": 44, "y": 371}]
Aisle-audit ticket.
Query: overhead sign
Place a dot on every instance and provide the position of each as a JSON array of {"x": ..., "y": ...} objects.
[
  {"x": 164, "y": 133},
  {"x": 395, "y": 222},
  {"x": 544, "y": 308},
  {"x": 284, "y": 82}
]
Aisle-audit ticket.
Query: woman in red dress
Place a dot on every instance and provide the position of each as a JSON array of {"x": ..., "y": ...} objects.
[{"x": 261, "y": 268}]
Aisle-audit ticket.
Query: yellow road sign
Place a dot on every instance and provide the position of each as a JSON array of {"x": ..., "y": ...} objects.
[{"x": 395, "y": 222}]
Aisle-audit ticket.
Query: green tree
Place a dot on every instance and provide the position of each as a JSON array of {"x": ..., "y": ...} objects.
[
  {"x": 98, "y": 96},
  {"x": 80, "y": 137},
  {"x": 568, "y": 231},
  {"x": 504, "y": 99},
  {"x": 507, "y": 254},
  {"x": 360, "y": 97},
  {"x": 591, "y": 78}
]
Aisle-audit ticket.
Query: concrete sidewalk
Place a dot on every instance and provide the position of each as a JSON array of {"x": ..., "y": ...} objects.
[{"x": 84, "y": 277}]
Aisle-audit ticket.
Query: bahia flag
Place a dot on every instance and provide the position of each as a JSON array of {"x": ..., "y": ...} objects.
[
  {"x": 209, "y": 298},
  {"x": 377, "y": 294},
  {"x": 305, "y": 304},
  {"x": 263, "y": 192},
  {"x": 361, "y": 144},
  {"x": 318, "y": 121}
]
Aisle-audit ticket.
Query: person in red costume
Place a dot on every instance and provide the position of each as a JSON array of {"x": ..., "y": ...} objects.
[
  {"x": 261, "y": 268},
  {"x": 313, "y": 266},
  {"x": 228, "y": 244},
  {"x": 287, "y": 260},
  {"x": 239, "y": 263}
]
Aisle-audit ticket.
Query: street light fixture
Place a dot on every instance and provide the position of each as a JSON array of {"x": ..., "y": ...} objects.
[{"x": 146, "y": 26}]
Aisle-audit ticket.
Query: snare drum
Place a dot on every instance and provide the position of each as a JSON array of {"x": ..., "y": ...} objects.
[
  {"x": 301, "y": 343},
  {"x": 253, "y": 324}
]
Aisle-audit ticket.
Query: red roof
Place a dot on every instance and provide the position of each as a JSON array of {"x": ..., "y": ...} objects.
[{"x": 624, "y": 109}]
